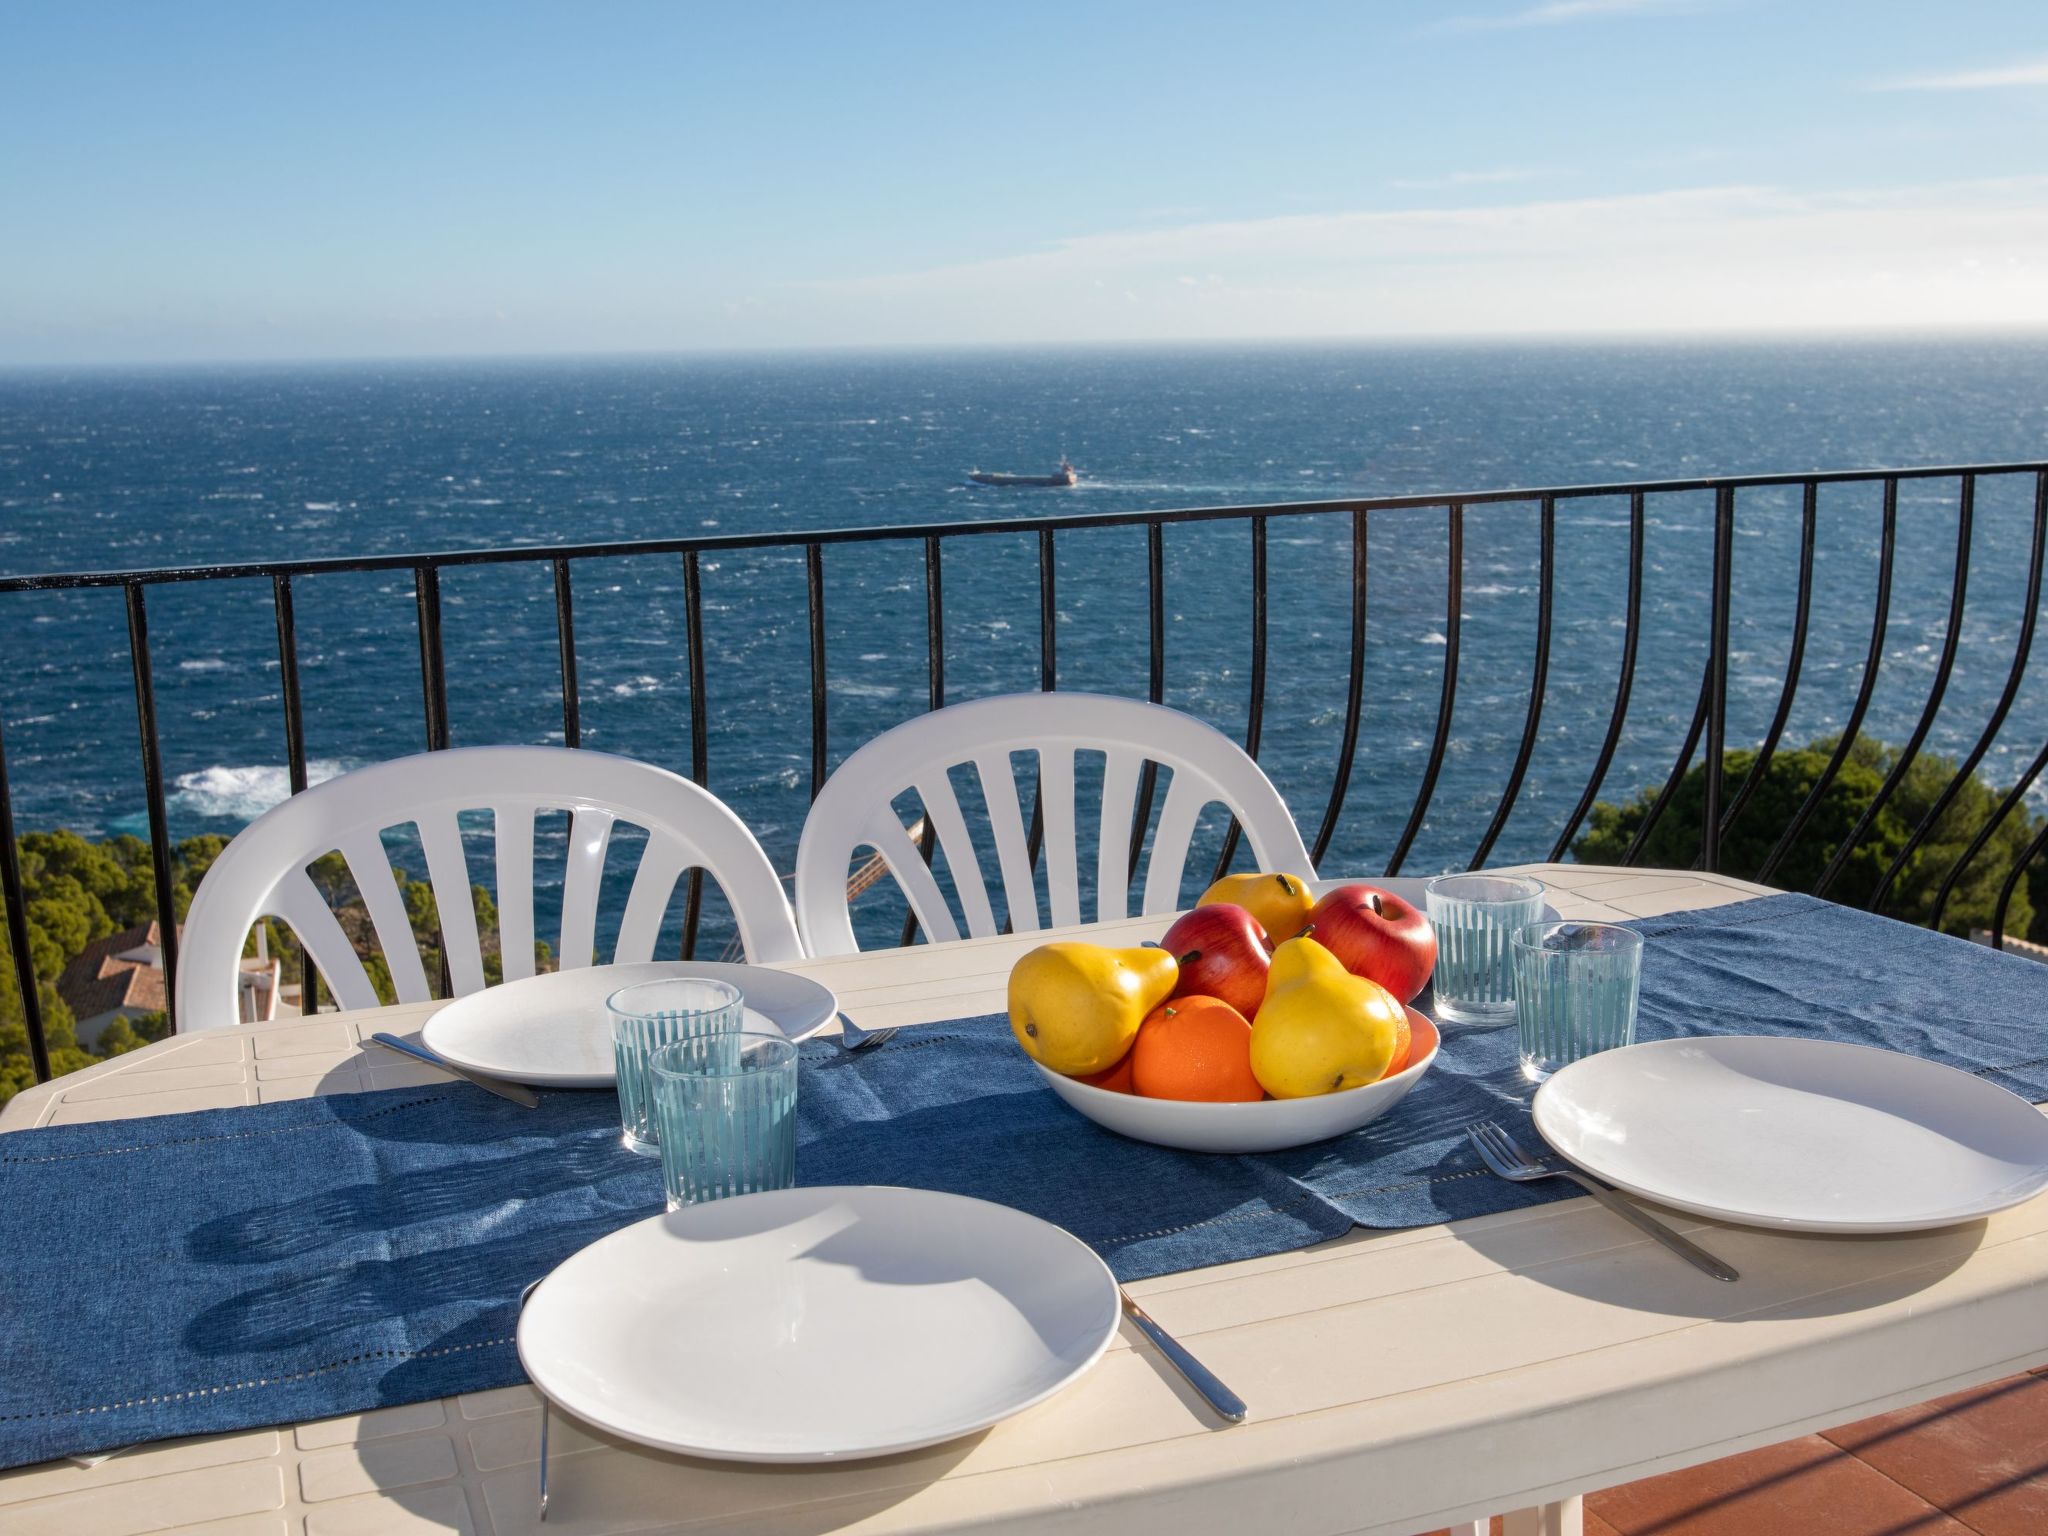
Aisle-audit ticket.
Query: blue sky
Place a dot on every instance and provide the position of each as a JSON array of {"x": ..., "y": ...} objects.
[{"x": 200, "y": 181}]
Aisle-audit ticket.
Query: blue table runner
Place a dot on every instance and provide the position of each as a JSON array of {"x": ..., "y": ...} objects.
[{"x": 232, "y": 1268}]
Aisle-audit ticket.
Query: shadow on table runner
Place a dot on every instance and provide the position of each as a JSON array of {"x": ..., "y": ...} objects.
[
  {"x": 234, "y": 1268},
  {"x": 192, "y": 1273}
]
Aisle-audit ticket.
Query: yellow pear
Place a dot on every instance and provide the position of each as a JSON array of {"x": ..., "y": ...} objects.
[
  {"x": 1281, "y": 903},
  {"x": 1076, "y": 1007},
  {"x": 1322, "y": 1029}
]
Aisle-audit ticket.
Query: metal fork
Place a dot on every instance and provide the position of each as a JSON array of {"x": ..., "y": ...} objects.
[
  {"x": 853, "y": 1038},
  {"x": 1504, "y": 1155}
]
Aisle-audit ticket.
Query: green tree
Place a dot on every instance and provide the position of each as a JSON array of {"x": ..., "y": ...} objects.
[{"x": 1675, "y": 841}]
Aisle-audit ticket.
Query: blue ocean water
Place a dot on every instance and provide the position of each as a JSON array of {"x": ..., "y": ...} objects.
[{"x": 103, "y": 470}]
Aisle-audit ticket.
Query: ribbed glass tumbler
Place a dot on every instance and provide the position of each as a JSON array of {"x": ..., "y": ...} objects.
[
  {"x": 649, "y": 1016},
  {"x": 726, "y": 1105},
  {"x": 1474, "y": 917},
  {"x": 1576, "y": 986}
]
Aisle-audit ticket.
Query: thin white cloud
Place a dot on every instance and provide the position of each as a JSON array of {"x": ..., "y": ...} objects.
[
  {"x": 1560, "y": 12},
  {"x": 1474, "y": 178},
  {"x": 1998, "y": 77},
  {"x": 1735, "y": 258}
]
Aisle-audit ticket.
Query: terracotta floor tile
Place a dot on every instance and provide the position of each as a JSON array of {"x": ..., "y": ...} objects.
[
  {"x": 1805, "y": 1487},
  {"x": 1981, "y": 1454},
  {"x": 1595, "y": 1526}
]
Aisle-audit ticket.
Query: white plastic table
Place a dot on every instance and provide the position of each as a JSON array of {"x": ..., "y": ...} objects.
[{"x": 1398, "y": 1381}]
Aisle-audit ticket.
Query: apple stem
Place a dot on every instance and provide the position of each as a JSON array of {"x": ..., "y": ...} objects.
[
  {"x": 1305, "y": 932},
  {"x": 1190, "y": 957},
  {"x": 1378, "y": 910}
]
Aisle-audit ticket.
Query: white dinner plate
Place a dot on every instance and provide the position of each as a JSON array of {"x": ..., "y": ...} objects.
[
  {"x": 1808, "y": 1135},
  {"x": 552, "y": 1031},
  {"x": 817, "y": 1324}
]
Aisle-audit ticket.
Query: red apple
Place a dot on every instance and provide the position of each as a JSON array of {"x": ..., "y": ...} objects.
[
  {"x": 1376, "y": 934},
  {"x": 1223, "y": 953}
]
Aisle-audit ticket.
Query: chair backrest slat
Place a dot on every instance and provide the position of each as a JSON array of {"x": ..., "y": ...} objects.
[
  {"x": 1176, "y": 832},
  {"x": 448, "y": 869},
  {"x": 957, "y": 843},
  {"x": 886, "y": 836},
  {"x": 662, "y": 863},
  {"x": 1113, "y": 843},
  {"x": 590, "y": 837},
  {"x": 298, "y": 904},
  {"x": 855, "y": 809},
  {"x": 512, "y": 835},
  {"x": 377, "y": 884},
  {"x": 1013, "y": 850},
  {"x": 1062, "y": 851},
  {"x": 262, "y": 873}
]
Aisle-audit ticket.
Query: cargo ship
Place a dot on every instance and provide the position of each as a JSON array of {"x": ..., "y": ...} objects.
[{"x": 1064, "y": 475}]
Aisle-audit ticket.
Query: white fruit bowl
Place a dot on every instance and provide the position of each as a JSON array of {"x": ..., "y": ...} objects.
[{"x": 1267, "y": 1126}]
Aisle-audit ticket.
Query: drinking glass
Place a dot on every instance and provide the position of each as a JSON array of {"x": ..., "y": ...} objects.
[
  {"x": 726, "y": 1108},
  {"x": 653, "y": 1014},
  {"x": 1474, "y": 917},
  {"x": 1575, "y": 992}
]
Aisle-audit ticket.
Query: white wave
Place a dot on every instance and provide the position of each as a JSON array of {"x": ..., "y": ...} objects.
[
  {"x": 203, "y": 664},
  {"x": 863, "y": 690},
  {"x": 632, "y": 687},
  {"x": 323, "y": 506},
  {"x": 1433, "y": 638},
  {"x": 243, "y": 792}
]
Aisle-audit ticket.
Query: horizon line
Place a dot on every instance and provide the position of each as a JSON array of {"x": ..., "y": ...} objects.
[{"x": 1989, "y": 330}]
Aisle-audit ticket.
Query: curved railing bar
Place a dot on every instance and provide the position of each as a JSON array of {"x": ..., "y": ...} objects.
[
  {"x": 1717, "y": 678},
  {"x": 1048, "y": 669},
  {"x": 1354, "y": 698},
  {"x": 1879, "y": 618},
  {"x": 2012, "y": 880},
  {"x": 1622, "y": 688},
  {"x": 1686, "y": 749},
  {"x": 1965, "y": 516},
  {"x": 1539, "y": 681},
  {"x": 285, "y": 611},
  {"x": 2020, "y": 657},
  {"x": 1255, "y": 720},
  {"x": 426, "y": 585},
  {"x": 153, "y": 784},
  {"x": 935, "y": 661},
  {"x": 814, "y": 598},
  {"x": 1795, "y": 660},
  {"x": 13, "y": 899},
  {"x": 2013, "y": 797},
  {"x": 1454, "y": 608},
  {"x": 1155, "y": 690},
  {"x": 565, "y": 656},
  {"x": 700, "y": 731}
]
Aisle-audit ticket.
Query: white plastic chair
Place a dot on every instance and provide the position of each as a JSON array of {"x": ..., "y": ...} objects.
[
  {"x": 262, "y": 873},
  {"x": 853, "y": 811}
]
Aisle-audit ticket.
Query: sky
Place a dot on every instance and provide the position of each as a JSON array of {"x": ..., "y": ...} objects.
[{"x": 213, "y": 181}]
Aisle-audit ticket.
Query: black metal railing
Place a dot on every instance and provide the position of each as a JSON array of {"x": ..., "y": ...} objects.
[{"x": 1709, "y": 719}]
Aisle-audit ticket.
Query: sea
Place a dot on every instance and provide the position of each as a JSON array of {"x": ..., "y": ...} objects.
[{"x": 141, "y": 468}]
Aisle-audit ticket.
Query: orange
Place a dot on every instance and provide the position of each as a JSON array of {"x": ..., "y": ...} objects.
[
  {"x": 1116, "y": 1079},
  {"x": 1195, "y": 1048},
  {"x": 1404, "y": 1042}
]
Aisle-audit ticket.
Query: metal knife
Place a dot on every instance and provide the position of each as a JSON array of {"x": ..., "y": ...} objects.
[
  {"x": 1227, "y": 1404},
  {"x": 524, "y": 1097}
]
